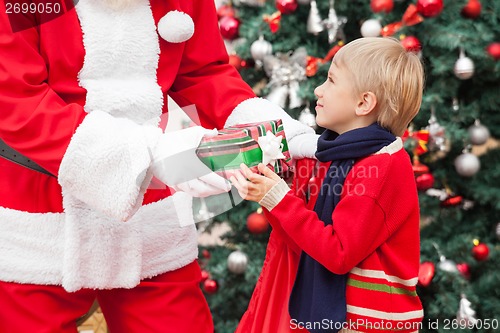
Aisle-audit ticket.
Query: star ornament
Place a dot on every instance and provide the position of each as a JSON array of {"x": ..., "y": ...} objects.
[{"x": 271, "y": 147}]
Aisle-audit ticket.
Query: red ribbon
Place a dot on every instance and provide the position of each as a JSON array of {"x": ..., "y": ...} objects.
[
  {"x": 410, "y": 17},
  {"x": 313, "y": 62},
  {"x": 421, "y": 137},
  {"x": 274, "y": 21}
]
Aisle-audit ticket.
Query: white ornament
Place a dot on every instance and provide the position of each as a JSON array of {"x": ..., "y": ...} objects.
[
  {"x": 447, "y": 265},
  {"x": 272, "y": 148},
  {"x": 314, "y": 20},
  {"x": 464, "y": 67},
  {"x": 307, "y": 118},
  {"x": 371, "y": 28},
  {"x": 176, "y": 27},
  {"x": 466, "y": 315},
  {"x": 467, "y": 164},
  {"x": 260, "y": 48},
  {"x": 237, "y": 262},
  {"x": 478, "y": 133}
]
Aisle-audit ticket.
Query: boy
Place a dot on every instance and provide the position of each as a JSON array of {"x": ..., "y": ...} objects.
[{"x": 360, "y": 246}]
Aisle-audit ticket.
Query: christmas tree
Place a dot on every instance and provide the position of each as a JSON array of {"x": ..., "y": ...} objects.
[{"x": 283, "y": 49}]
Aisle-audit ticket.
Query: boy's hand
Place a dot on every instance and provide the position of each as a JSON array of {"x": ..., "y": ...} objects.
[{"x": 252, "y": 186}]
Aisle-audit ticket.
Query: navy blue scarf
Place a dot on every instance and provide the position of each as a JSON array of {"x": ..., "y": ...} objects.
[{"x": 318, "y": 295}]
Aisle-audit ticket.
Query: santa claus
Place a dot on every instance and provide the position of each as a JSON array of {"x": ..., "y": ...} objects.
[{"x": 81, "y": 96}]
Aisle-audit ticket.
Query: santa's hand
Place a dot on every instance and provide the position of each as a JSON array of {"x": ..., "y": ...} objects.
[
  {"x": 204, "y": 186},
  {"x": 303, "y": 146},
  {"x": 176, "y": 164}
]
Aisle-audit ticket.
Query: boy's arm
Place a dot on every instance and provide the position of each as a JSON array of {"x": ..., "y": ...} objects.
[{"x": 358, "y": 229}]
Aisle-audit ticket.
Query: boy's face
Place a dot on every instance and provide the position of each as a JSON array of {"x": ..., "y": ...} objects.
[{"x": 336, "y": 105}]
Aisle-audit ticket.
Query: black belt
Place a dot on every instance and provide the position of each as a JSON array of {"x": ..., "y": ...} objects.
[{"x": 13, "y": 156}]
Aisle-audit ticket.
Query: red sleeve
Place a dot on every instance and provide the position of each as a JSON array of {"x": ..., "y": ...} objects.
[
  {"x": 34, "y": 120},
  {"x": 358, "y": 229},
  {"x": 205, "y": 77}
]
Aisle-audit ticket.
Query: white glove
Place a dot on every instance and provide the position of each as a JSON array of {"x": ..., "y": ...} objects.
[
  {"x": 303, "y": 146},
  {"x": 176, "y": 164}
]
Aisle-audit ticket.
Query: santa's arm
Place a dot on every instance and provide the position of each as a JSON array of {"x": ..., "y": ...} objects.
[
  {"x": 207, "y": 81},
  {"x": 34, "y": 120}
]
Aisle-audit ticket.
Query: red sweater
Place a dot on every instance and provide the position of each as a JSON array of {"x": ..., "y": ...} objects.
[{"x": 374, "y": 237}]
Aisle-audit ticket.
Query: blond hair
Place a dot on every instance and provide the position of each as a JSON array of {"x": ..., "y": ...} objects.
[{"x": 394, "y": 75}]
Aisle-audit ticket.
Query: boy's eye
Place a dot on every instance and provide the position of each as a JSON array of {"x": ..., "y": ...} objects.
[{"x": 330, "y": 79}]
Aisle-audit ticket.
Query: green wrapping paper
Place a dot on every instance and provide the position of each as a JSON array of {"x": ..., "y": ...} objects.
[{"x": 238, "y": 144}]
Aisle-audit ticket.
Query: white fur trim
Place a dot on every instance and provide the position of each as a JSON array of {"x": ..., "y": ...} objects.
[
  {"x": 392, "y": 148},
  {"x": 176, "y": 27},
  {"x": 121, "y": 58},
  {"x": 106, "y": 163},
  {"x": 113, "y": 254},
  {"x": 259, "y": 109}
]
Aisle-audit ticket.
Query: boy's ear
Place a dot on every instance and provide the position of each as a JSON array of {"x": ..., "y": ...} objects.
[{"x": 366, "y": 104}]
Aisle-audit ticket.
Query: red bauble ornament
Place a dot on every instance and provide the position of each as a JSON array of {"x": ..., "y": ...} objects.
[
  {"x": 429, "y": 8},
  {"x": 411, "y": 43},
  {"x": 426, "y": 273},
  {"x": 205, "y": 253},
  {"x": 382, "y": 5},
  {"x": 210, "y": 286},
  {"x": 480, "y": 251},
  {"x": 425, "y": 181},
  {"x": 225, "y": 10},
  {"x": 464, "y": 269},
  {"x": 257, "y": 223},
  {"x": 286, "y": 6},
  {"x": 419, "y": 168},
  {"x": 472, "y": 9},
  {"x": 452, "y": 201},
  {"x": 229, "y": 27},
  {"x": 494, "y": 50},
  {"x": 205, "y": 275}
]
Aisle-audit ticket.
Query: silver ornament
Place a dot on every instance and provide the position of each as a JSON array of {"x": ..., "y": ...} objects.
[
  {"x": 437, "y": 135},
  {"x": 497, "y": 230},
  {"x": 464, "y": 67},
  {"x": 371, "y": 28},
  {"x": 260, "y": 48},
  {"x": 467, "y": 164},
  {"x": 447, "y": 265},
  {"x": 285, "y": 72},
  {"x": 335, "y": 24},
  {"x": 455, "y": 104},
  {"x": 314, "y": 21},
  {"x": 278, "y": 95},
  {"x": 293, "y": 94},
  {"x": 237, "y": 262},
  {"x": 307, "y": 118},
  {"x": 478, "y": 133}
]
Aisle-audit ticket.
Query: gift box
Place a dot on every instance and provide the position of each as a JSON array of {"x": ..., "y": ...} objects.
[{"x": 251, "y": 144}]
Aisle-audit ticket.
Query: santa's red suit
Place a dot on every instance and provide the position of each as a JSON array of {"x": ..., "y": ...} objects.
[{"x": 81, "y": 95}]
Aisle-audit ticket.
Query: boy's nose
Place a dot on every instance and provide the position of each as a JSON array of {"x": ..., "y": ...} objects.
[{"x": 318, "y": 91}]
